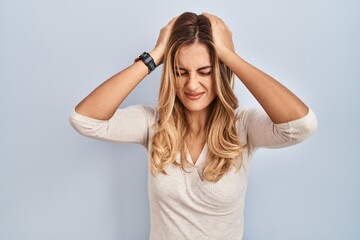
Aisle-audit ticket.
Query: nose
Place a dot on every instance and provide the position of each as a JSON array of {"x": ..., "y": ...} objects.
[{"x": 192, "y": 82}]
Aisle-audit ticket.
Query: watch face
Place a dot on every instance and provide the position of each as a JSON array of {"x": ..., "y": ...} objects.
[
  {"x": 147, "y": 60},
  {"x": 144, "y": 55}
]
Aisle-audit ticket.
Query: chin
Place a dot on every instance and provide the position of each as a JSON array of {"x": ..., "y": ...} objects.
[{"x": 196, "y": 107}]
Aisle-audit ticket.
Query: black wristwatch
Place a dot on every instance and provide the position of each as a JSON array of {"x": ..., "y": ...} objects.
[{"x": 147, "y": 60}]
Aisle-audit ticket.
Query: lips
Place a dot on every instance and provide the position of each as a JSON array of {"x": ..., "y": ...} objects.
[{"x": 194, "y": 96}]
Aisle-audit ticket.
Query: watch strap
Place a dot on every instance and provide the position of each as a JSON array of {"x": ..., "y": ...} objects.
[{"x": 147, "y": 60}]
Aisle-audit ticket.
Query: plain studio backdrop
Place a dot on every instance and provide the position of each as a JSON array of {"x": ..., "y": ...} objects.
[{"x": 56, "y": 184}]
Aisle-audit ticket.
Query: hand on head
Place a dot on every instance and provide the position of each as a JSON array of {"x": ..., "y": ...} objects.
[
  {"x": 164, "y": 36},
  {"x": 222, "y": 35}
]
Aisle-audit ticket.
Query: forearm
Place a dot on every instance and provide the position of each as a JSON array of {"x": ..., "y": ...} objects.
[
  {"x": 279, "y": 103},
  {"x": 106, "y": 98}
]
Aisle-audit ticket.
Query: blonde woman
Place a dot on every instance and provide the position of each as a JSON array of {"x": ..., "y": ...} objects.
[{"x": 199, "y": 142}]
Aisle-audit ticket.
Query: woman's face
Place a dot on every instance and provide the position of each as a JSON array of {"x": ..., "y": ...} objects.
[{"x": 194, "y": 83}]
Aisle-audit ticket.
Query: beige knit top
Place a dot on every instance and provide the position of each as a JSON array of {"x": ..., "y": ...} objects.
[{"x": 182, "y": 205}]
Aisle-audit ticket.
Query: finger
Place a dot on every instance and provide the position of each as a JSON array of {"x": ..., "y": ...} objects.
[
  {"x": 206, "y": 14},
  {"x": 172, "y": 21},
  {"x": 211, "y": 17},
  {"x": 214, "y": 19}
]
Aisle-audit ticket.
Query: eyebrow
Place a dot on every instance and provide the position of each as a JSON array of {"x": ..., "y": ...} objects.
[{"x": 201, "y": 68}]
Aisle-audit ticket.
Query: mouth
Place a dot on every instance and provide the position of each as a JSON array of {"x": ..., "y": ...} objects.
[{"x": 194, "y": 96}]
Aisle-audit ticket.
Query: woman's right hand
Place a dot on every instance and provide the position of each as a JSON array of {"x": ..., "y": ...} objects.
[
  {"x": 163, "y": 39},
  {"x": 103, "y": 101}
]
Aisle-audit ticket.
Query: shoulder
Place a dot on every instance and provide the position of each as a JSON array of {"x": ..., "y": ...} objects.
[
  {"x": 242, "y": 116},
  {"x": 246, "y": 115}
]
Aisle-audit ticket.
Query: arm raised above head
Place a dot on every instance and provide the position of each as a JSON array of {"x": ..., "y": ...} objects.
[
  {"x": 104, "y": 100},
  {"x": 279, "y": 103}
]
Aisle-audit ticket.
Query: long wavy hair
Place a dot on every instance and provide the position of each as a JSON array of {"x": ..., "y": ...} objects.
[{"x": 172, "y": 126}]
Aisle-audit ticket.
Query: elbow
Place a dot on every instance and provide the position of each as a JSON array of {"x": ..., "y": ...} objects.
[
  {"x": 311, "y": 123},
  {"x": 312, "y": 126},
  {"x": 77, "y": 125},
  {"x": 305, "y": 127},
  {"x": 83, "y": 125},
  {"x": 298, "y": 130}
]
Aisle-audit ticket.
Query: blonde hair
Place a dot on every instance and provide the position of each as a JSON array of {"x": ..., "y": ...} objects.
[{"x": 171, "y": 128}]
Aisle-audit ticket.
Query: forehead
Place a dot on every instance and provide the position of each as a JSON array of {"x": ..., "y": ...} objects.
[{"x": 194, "y": 56}]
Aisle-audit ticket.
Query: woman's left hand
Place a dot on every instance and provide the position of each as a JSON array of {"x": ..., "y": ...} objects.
[
  {"x": 221, "y": 34},
  {"x": 279, "y": 103}
]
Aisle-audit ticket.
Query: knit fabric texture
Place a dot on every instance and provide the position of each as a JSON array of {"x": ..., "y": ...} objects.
[{"x": 182, "y": 204}]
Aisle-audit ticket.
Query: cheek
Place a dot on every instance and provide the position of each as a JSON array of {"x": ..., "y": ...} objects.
[
  {"x": 178, "y": 85},
  {"x": 210, "y": 85}
]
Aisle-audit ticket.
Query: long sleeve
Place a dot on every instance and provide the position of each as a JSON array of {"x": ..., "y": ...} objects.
[
  {"x": 262, "y": 132},
  {"x": 127, "y": 125}
]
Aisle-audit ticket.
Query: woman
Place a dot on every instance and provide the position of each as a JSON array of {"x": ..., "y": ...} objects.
[{"x": 198, "y": 141}]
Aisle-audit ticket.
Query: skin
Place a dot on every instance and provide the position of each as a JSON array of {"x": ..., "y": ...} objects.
[
  {"x": 194, "y": 76},
  {"x": 103, "y": 101},
  {"x": 279, "y": 103}
]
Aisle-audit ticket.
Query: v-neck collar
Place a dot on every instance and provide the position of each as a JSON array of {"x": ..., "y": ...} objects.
[{"x": 200, "y": 158}]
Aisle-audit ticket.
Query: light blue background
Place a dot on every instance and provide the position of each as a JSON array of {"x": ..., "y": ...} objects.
[{"x": 56, "y": 184}]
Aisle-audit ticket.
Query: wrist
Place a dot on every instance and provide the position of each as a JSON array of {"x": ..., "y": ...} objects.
[
  {"x": 224, "y": 54},
  {"x": 157, "y": 54},
  {"x": 147, "y": 59}
]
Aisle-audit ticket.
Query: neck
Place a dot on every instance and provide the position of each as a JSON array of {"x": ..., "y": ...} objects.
[{"x": 197, "y": 122}]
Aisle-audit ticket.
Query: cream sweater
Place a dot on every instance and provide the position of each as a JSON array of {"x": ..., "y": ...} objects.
[{"x": 182, "y": 205}]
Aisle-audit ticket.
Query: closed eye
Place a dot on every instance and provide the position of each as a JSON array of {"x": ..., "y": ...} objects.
[
  {"x": 180, "y": 74},
  {"x": 205, "y": 73},
  {"x": 202, "y": 71}
]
